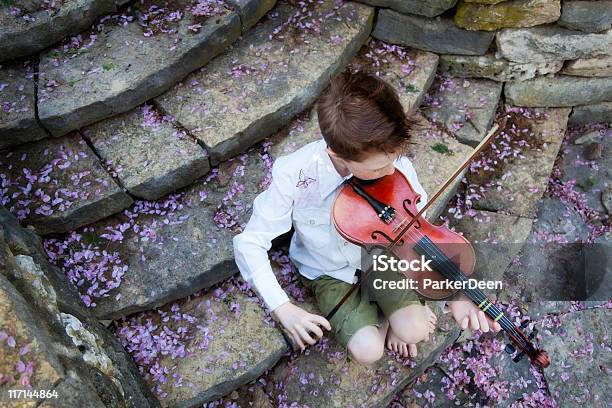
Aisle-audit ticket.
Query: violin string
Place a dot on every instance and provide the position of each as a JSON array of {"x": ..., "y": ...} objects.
[{"x": 476, "y": 294}]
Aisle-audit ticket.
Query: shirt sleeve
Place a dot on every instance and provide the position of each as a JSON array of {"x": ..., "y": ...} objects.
[{"x": 271, "y": 217}]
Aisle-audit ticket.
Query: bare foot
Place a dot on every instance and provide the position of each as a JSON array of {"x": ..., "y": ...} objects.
[{"x": 396, "y": 344}]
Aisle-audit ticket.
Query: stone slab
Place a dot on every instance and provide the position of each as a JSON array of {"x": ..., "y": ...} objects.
[
  {"x": 560, "y": 90},
  {"x": 580, "y": 358},
  {"x": 151, "y": 157},
  {"x": 18, "y": 122},
  {"x": 520, "y": 193},
  {"x": 57, "y": 185},
  {"x": 183, "y": 242},
  {"x": 465, "y": 107},
  {"x": 254, "y": 89},
  {"x": 28, "y": 28},
  {"x": 498, "y": 69},
  {"x": 421, "y": 7},
  {"x": 126, "y": 64},
  {"x": 439, "y": 35},
  {"x": 551, "y": 43},
  {"x": 601, "y": 112},
  {"x": 589, "y": 67},
  {"x": 226, "y": 341},
  {"x": 512, "y": 13},
  {"x": 587, "y": 16}
]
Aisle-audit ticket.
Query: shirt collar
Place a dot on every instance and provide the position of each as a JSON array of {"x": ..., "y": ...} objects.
[{"x": 329, "y": 178}]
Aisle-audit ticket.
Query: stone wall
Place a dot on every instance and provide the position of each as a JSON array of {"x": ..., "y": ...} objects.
[{"x": 550, "y": 53}]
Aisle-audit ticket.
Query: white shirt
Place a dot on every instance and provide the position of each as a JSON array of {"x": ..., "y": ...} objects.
[{"x": 303, "y": 188}]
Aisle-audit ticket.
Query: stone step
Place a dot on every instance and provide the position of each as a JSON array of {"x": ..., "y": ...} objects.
[
  {"x": 275, "y": 72},
  {"x": 518, "y": 13},
  {"x": 599, "y": 112},
  {"x": 559, "y": 91},
  {"x": 18, "y": 122},
  {"x": 129, "y": 58},
  {"x": 465, "y": 107},
  {"x": 204, "y": 346},
  {"x": 439, "y": 35},
  {"x": 526, "y": 178},
  {"x": 150, "y": 156},
  {"x": 29, "y": 27},
  {"x": 58, "y": 184}
]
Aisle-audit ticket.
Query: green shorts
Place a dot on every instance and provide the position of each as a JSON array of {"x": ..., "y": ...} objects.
[{"x": 361, "y": 308}]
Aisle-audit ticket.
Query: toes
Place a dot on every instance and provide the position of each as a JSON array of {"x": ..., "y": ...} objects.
[{"x": 413, "y": 350}]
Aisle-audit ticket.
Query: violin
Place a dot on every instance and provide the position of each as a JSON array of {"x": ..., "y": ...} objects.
[{"x": 389, "y": 220}]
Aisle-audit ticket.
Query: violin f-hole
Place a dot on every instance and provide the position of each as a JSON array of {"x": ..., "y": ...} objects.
[{"x": 417, "y": 223}]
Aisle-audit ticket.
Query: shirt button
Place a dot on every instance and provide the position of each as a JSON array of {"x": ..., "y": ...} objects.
[
  {"x": 311, "y": 222},
  {"x": 346, "y": 243}
]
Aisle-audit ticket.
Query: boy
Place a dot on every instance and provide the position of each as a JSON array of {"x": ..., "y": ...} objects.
[{"x": 365, "y": 131}]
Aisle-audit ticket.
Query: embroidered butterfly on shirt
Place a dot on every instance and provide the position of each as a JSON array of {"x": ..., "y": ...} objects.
[{"x": 304, "y": 181}]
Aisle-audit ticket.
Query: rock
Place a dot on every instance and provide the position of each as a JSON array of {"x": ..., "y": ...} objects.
[
  {"x": 581, "y": 115},
  {"x": 18, "y": 122},
  {"x": 551, "y": 265},
  {"x": 225, "y": 341},
  {"x": 551, "y": 43},
  {"x": 108, "y": 76},
  {"x": 153, "y": 157},
  {"x": 598, "y": 267},
  {"x": 34, "y": 28},
  {"x": 497, "y": 69},
  {"x": 593, "y": 151},
  {"x": 439, "y": 35},
  {"x": 606, "y": 200},
  {"x": 57, "y": 185},
  {"x": 590, "y": 179},
  {"x": 484, "y": 1},
  {"x": 250, "y": 11},
  {"x": 512, "y": 14},
  {"x": 497, "y": 238},
  {"x": 587, "y": 137},
  {"x": 520, "y": 193},
  {"x": 560, "y": 90},
  {"x": 588, "y": 16},
  {"x": 420, "y": 7},
  {"x": 254, "y": 89},
  {"x": 322, "y": 376},
  {"x": 465, "y": 107},
  {"x": 70, "y": 351},
  {"x": 589, "y": 67},
  {"x": 579, "y": 348}
]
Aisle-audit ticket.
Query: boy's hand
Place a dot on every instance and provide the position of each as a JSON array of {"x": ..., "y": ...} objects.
[
  {"x": 299, "y": 322},
  {"x": 466, "y": 312}
]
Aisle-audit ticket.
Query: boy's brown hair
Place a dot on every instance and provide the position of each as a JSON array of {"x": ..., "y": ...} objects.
[{"x": 360, "y": 113}]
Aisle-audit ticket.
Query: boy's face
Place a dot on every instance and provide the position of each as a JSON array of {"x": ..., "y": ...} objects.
[{"x": 375, "y": 165}]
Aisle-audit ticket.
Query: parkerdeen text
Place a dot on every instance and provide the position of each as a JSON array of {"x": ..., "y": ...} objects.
[{"x": 381, "y": 284}]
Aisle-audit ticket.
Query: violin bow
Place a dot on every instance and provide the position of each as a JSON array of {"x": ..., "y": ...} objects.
[{"x": 540, "y": 357}]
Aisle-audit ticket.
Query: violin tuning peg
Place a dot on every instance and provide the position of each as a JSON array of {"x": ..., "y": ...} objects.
[
  {"x": 524, "y": 324},
  {"x": 509, "y": 348},
  {"x": 534, "y": 333}
]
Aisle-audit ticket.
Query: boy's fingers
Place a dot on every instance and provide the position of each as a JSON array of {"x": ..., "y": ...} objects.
[
  {"x": 297, "y": 339},
  {"x": 305, "y": 336},
  {"x": 464, "y": 322},
  {"x": 323, "y": 321},
  {"x": 474, "y": 320},
  {"x": 484, "y": 324},
  {"x": 314, "y": 329}
]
